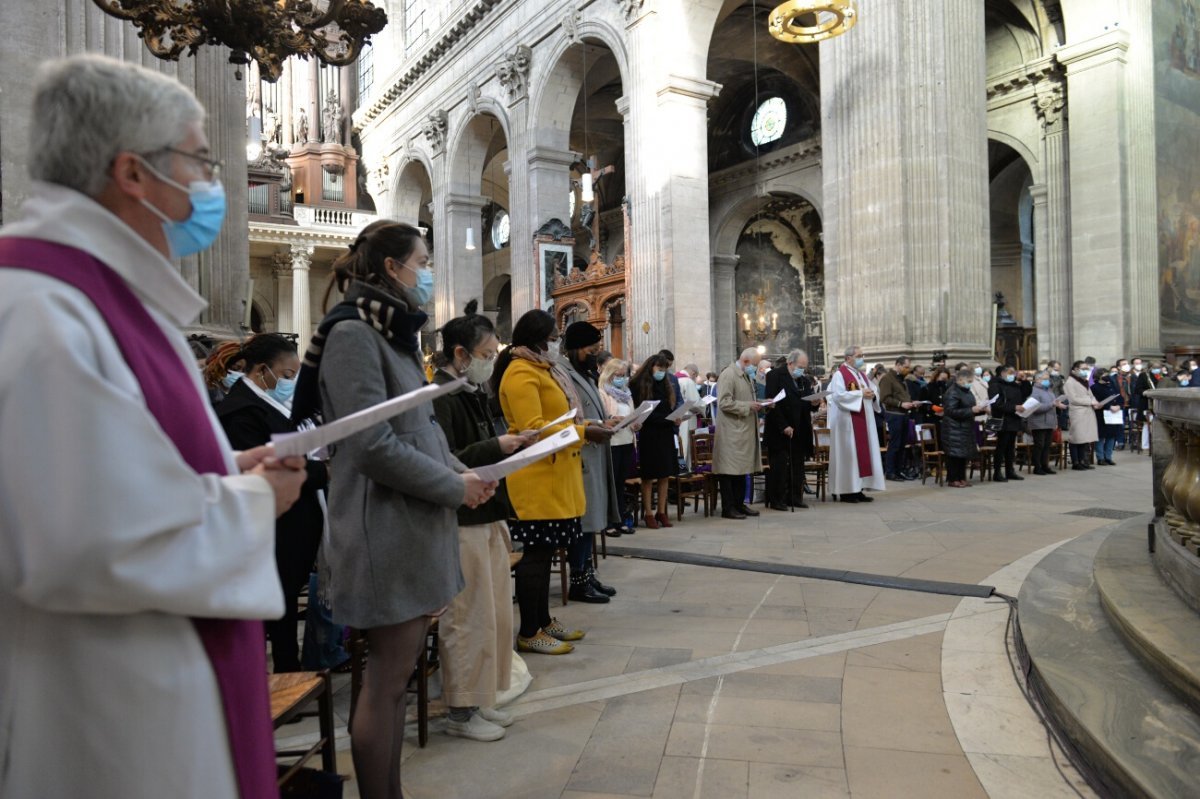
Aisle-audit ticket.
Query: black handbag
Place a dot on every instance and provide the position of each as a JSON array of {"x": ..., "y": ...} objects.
[{"x": 993, "y": 425}]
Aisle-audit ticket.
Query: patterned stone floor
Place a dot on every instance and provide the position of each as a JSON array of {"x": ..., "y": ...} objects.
[{"x": 699, "y": 682}]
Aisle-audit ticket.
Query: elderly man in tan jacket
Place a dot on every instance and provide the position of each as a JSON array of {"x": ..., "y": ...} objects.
[{"x": 736, "y": 448}]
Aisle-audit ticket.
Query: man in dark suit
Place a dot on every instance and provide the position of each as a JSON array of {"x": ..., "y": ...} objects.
[{"x": 788, "y": 434}]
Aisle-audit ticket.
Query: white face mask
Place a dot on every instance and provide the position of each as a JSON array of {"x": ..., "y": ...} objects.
[
  {"x": 479, "y": 370},
  {"x": 1125, "y": 367},
  {"x": 1137, "y": 367}
]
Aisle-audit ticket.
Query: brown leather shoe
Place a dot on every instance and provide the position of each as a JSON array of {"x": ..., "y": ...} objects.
[{"x": 663, "y": 520}]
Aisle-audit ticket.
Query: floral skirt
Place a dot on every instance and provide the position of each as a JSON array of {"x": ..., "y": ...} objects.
[{"x": 546, "y": 532}]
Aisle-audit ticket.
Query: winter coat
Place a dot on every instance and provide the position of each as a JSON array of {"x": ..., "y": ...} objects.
[
  {"x": 736, "y": 448},
  {"x": 958, "y": 422},
  {"x": 1083, "y": 417},
  {"x": 1046, "y": 415},
  {"x": 792, "y": 412},
  {"x": 599, "y": 486},
  {"x": 465, "y": 419},
  {"x": 1011, "y": 395},
  {"x": 394, "y": 488},
  {"x": 1102, "y": 391}
]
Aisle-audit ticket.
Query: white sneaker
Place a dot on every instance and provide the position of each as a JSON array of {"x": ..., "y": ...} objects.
[
  {"x": 477, "y": 729},
  {"x": 497, "y": 716}
]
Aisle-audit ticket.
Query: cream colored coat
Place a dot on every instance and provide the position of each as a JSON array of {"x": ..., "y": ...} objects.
[
  {"x": 736, "y": 446},
  {"x": 1082, "y": 414},
  {"x": 109, "y": 541}
]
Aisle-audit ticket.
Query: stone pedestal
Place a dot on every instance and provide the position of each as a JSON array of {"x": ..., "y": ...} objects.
[{"x": 904, "y": 129}]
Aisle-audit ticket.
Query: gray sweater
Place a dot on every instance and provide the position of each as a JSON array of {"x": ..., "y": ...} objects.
[{"x": 394, "y": 489}]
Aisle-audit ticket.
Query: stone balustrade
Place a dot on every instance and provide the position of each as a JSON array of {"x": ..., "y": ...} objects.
[{"x": 343, "y": 219}]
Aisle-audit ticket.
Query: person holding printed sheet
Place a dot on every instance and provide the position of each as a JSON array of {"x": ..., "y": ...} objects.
[
  {"x": 854, "y": 460},
  {"x": 394, "y": 488}
]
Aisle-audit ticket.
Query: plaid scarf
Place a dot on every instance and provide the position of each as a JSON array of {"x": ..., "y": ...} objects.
[{"x": 383, "y": 311}]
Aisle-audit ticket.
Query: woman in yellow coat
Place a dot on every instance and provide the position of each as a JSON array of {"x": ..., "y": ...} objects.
[{"x": 546, "y": 496}]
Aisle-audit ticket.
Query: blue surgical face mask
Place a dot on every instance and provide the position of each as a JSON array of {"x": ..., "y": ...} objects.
[
  {"x": 200, "y": 229},
  {"x": 659, "y": 376},
  {"x": 978, "y": 371},
  {"x": 423, "y": 291},
  {"x": 1009, "y": 378},
  {"x": 798, "y": 371},
  {"x": 285, "y": 389},
  {"x": 1156, "y": 371},
  {"x": 860, "y": 362},
  {"x": 1045, "y": 383},
  {"x": 751, "y": 371},
  {"x": 230, "y": 378},
  {"x": 1184, "y": 382},
  {"x": 620, "y": 382},
  {"x": 987, "y": 378}
]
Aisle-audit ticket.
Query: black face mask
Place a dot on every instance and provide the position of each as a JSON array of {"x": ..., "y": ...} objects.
[{"x": 586, "y": 364}]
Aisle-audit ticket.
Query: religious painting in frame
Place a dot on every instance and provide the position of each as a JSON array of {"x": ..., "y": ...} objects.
[{"x": 553, "y": 259}]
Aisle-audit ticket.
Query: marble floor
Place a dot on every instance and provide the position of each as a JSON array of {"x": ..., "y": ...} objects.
[{"x": 702, "y": 682}]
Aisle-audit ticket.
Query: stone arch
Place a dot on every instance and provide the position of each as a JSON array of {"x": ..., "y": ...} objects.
[
  {"x": 1010, "y": 176},
  {"x": 1022, "y": 149},
  {"x": 412, "y": 188},
  {"x": 739, "y": 209},
  {"x": 469, "y": 148},
  {"x": 562, "y": 77}
]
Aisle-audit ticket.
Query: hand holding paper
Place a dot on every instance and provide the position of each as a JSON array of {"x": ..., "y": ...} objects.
[
  {"x": 565, "y": 417},
  {"x": 543, "y": 449},
  {"x": 777, "y": 398},
  {"x": 300, "y": 442},
  {"x": 639, "y": 415}
]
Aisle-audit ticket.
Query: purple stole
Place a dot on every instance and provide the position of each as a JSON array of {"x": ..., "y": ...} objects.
[
  {"x": 235, "y": 648},
  {"x": 858, "y": 420}
]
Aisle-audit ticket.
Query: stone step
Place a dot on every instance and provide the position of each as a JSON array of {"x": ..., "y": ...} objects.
[
  {"x": 1155, "y": 623},
  {"x": 1134, "y": 733}
]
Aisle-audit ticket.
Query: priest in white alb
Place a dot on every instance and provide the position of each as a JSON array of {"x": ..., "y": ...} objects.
[
  {"x": 854, "y": 459},
  {"x": 136, "y": 549}
]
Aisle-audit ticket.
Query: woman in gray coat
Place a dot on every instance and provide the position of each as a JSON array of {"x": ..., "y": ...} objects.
[
  {"x": 1043, "y": 421},
  {"x": 394, "y": 488}
]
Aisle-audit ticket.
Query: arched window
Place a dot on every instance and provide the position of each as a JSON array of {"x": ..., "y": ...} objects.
[
  {"x": 769, "y": 121},
  {"x": 500, "y": 230}
]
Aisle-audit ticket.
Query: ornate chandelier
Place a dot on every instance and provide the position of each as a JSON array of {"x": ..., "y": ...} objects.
[
  {"x": 267, "y": 31},
  {"x": 763, "y": 328},
  {"x": 809, "y": 21}
]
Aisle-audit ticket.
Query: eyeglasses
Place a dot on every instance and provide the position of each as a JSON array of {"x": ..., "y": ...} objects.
[{"x": 212, "y": 165}]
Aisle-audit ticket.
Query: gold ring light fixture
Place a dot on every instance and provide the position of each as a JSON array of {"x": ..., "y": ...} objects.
[{"x": 810, "y": 21}]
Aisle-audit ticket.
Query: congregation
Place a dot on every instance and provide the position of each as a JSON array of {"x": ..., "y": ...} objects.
[{"x": 390, "y": 527}]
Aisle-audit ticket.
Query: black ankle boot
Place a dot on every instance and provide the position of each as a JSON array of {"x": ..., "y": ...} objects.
[{"x": 582, "y": 591}]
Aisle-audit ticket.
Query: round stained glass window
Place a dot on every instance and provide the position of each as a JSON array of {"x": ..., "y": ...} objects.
[
  {"x": 500, "y": 230},
  {"x": 769, "y": 121}
]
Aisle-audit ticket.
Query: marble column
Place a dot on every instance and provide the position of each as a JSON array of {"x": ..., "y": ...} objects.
[
  {"x": 904, "y": 130},
  {"x": 521, "y": 218},
  {"x": 724, "y": 303},
  {"x": 287, "y": 88},
  {"x": 281, "y": 267},
  {"x": 1114, "y": 312},
  {"x": 465, "y": 271},
  {"x": 301, "y": 263},
  {"x": 549, "y": 180},
  {"x": 1052, "y": 232}
]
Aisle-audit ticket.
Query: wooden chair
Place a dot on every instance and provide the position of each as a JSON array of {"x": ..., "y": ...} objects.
[
  {"x": 688, "y": 485},
  {"x": 931, "y": 452},
  {"x": 558, "y": 563},
  {"x": 427, "y": 664},
  {"x": 290, "y": 692},
  {"x": 984, "y": 460}
]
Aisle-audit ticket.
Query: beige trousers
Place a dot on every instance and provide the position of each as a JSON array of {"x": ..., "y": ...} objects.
[{"x": 475, "y": 634}]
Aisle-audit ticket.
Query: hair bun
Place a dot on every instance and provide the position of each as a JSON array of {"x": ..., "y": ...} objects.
[{"x": 472, "y": 308}]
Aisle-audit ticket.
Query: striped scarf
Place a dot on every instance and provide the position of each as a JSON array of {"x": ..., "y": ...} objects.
[{"x": 383, "y": 311}]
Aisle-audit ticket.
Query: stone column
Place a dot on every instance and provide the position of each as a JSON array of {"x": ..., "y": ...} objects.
[
  {"x": 521, "y": 218},
  {"x": 724, "y": 303},
  {"x": 1052, "y": 232},
  {"x": 286, "y": 104},
  {"x": 666, "y": 158},
  {"x": 1114, "y": 311},
  {"x": 301, "y": 258},
  {"x": 465, "y": 266},
  {"x": 904, "y": 130},
  {"x": 281, "y": 267},
  {"x": 549, "y": 172}
]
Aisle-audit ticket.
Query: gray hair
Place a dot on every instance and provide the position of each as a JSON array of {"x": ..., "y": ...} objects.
[
  {"x": 749, "y": 352},
  {"x": 89, "y": 108},
  {"x": 795, "y": 355},
  {"x": 851, "y": 349},
  {"x": 692, "y": 369}
]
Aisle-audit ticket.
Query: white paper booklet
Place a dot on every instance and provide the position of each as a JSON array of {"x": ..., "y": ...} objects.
[
  {"x": 566, "y": 416},
  {"x": 777, "y": 398},
  {"x": 1028, "y": 407},
  {"x": 298, "y": 443},
  {"x": 639, "y": 415},
  {"x": 532, "y": 454},
  {"x": 817, "y": 395}
]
